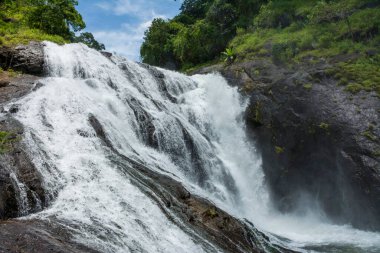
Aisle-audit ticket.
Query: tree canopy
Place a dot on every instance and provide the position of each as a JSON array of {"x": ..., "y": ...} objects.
[
  {"x": 198, "y": 34},
  {"x": 44, "y": 18},
  {"x": 206, "y": 28}
]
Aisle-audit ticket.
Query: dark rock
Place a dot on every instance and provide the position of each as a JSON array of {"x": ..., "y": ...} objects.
[
  {"x": 159, "y": 76},
  {"x": 27, "y": 59},
  {"x": 372, "y": 52},
  {"x": 37, "y": 86},
  {"x": 17, "y": 168},
  {"x": 35, "y": 236},
  {"x": 14, "y": 108},
  {"x": 17, "y": 87},
  {"x": 106, "y": 54},
  {"x": 8, "y": 20},
  {"x": 4, "y": 82}
]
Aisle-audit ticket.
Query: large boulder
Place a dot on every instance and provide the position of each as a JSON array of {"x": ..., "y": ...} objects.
[{"x": 25, "y": 58}]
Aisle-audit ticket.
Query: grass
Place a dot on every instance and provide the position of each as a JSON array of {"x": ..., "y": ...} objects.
[
  {"x": 211, "y": 212},
  {"x": 6, "y": 140},
  {"x": 324, "y": 126},
  {"x": 308, "y": 86},
  {"x": 279, "y": 150},
  {"x": 306, "y": 41},
  {"x": 16, "y": 30},
  {"x": 369, "y": 135}
]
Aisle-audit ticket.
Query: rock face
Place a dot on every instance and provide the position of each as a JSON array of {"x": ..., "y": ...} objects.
[
  {"x": 21, "y": 190},
  {"x": 319, "y": 143},
  {"x": 27, "y": 59},
  {"x": 36, "y": 236}
]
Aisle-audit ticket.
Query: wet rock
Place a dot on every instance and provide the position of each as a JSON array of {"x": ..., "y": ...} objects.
[
  {"x": 21, "y": 190},
  {"x": 4, "y": 82},
  {"x": 18, "y": 86},
  {"x": 14, "y": 108},
  {"x": 34, "y": 236},
  {"x": 319, "y": 143},
  {"x": 37, "y": 86},
  {"x": 28, "y": 59},
  {"x": 106, "y": 54},
  {"x": 159, "y": 76}
]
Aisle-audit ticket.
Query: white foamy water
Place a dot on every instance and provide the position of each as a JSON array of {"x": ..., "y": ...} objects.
[{"x": 189, "y": 128}]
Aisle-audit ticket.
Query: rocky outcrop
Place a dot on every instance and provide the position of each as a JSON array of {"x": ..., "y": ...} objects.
[
  {"x": 25, "y": 58},
  {"x": 319, "y": 143}
]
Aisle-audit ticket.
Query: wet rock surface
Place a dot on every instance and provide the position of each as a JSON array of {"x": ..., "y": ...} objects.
[
  {"x": 21, "y": 190},
  {"x": 36, "y": 236},
  {"x": 319, "y": 143},
  {"x": 17, "y": 87}
]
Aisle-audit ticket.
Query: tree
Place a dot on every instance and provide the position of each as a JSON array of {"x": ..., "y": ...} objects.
[
  {"x": 89, "y": 40},
  {"x": 157, "y": 48},
  {"x": 56, "y": 17},
  {"x": 196, "y": 8},
  {"x": 196, "y": 44}
]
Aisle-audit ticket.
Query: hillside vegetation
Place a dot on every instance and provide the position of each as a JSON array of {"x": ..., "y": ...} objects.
[
  {"x": 22, "y": 21},
  {"x": 290, "y": 32}
]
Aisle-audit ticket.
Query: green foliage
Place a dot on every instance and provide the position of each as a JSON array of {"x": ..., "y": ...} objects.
[
  {"x": 12, "y": 73},
  {"x": 369, "y": 135},
  {"x": 279, "y": 150},
  {"x": 195, "y": 8},
  {"x": 6, "y": 140},
  {"x": 345, "y": 30},
  {"x": 22, "y": 21},
  {"x": 289, "y": 32},
  {"x": 308, "y": 86},
  {"x": 158, "y": 48},
  {"x": 324, "y": 126},
  {"x": 56, "y": 17},
  {"x": 229, "y": 55},
  {"x": 196, "y": 44},
  {"x": 211, "y": 212},
  {"x": 362, "y": 74},
  {"x": 89, "y": 40},
  {"x": 201, "y": 32}
]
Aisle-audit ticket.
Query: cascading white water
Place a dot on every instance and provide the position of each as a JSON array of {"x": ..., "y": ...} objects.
[{"x": 187, "y": 127}]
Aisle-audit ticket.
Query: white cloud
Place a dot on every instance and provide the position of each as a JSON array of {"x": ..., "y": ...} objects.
[
  {"x": 128, "y": 37},
  {"x": 140, "y": 9},
  {"x": 126, "y": 40}
]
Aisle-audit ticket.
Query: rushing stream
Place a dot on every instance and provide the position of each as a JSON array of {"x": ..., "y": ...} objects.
[{"x": 190, "y": 128}]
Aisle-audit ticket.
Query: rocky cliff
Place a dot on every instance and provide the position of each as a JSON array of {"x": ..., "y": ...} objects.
[{"x": 319, "y": 143}]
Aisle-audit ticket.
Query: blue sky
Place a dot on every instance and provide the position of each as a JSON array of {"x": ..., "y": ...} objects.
[{"x": 120, "y": 24}]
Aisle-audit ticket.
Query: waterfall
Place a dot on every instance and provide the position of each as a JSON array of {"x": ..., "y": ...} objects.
[{"x": 188, "y": 128}]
